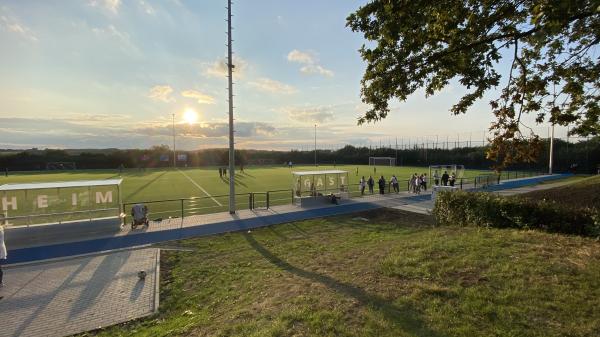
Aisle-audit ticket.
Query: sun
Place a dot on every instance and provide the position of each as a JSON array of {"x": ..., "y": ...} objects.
[{"x": 190, "y": 116}]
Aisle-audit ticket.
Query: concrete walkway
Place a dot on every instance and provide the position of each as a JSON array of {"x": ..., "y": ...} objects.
[{"x": 79, "y": 294}]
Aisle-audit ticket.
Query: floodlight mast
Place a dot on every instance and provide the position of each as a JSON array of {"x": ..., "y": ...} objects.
[{"x": 230, "y": 89}]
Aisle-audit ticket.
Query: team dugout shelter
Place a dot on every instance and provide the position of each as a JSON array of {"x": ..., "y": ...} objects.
[
  {"x": 315, "y": 187},
  {"x": 77, "y": 202}
]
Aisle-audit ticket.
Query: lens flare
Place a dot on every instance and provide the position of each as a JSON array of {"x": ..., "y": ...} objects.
[{"x": 190, "y": 116}]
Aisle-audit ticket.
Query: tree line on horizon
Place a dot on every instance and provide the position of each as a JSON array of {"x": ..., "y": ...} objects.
[{"x": 585, "y": 154}]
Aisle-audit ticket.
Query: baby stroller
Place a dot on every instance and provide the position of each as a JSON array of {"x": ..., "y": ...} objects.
[{"x": 139, "y": 213}]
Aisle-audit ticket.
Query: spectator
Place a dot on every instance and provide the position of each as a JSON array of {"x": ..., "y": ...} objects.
[
  {"x": 2, "y": 253},
  {"x": 371, "y": 183},
  {"x": 220, "y": 172},
  {"x": 424, "y": 181},
  {"x": 395, "y": 185},
  {"x": 452, "y": 179},
  {"x": 436, "y": 178},
  {"x": 381, "y": 185},
  {"x": 362, "y": 185},
  {"x": 445, "y": 178},
  {"x": 417, "y": 184}
]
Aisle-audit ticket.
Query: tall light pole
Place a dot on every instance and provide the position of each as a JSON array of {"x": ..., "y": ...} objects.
[
  {"x": 174, "y": 153},
  {"x": 550, "y": 161},
  {"x": 231, "y": 143},
  {"x": 315, "y": 145}
]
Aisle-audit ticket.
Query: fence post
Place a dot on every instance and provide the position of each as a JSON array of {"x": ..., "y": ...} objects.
[
  {"x": 267, "y": 199},
  {"x": 250, "y": 200},
  {"x": 182, "y": 208},
  {"x": 461, "y": 183}
]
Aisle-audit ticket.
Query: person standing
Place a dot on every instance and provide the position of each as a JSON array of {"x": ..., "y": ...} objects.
[
  {"x": 2, "y": 254},
  {"x": 220, "y": 172},
  {"x": 452, "y": 179},
  {"x": 445, "y": 178},
  {"x": 394, "y": 182},
  {"x": 381, "y": 185},
  {"x": 424, "y": 181},
  {"x": 371, "y": 183},
  {"x": 362, "y": 185}
]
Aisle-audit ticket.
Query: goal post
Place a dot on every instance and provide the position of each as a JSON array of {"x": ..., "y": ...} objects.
[{"x": 382, "y": 161}]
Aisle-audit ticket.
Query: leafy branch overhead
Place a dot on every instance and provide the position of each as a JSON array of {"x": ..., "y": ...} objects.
[{"x": 554, "y": 72}]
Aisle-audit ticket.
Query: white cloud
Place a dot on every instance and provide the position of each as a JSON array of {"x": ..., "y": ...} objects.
[
  {"x": 161, "y": 93},
  {"x": 198, "y": 96},
  {"x": 147, "y": 8},
  {"x": 269, "y": 85},
  {"x": 110, "y": 5},
  {"x": 310, "y": 114},
  {"x": 316, "y": 69},
  {"x": 301, "y": 57},
  {"x": 310, "y": 61},
  {"x": 218, "y": 68},
  {"x": 13, "y": 25},
  {"x": 124, "y": 40}
]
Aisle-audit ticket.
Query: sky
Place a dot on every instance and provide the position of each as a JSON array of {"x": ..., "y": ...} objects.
[{"x": 111, "y": 74}]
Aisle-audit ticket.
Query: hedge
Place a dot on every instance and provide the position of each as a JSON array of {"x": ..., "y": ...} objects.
[{"x": 490, "y": 210}]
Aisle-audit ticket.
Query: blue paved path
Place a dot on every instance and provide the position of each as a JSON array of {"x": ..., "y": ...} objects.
[{"x": 139, "y": 239}]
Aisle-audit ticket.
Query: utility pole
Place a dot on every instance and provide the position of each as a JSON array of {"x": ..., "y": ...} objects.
[
  {"x": 396, "y": 150},
  {"x": 315, "y": 145},
  {"x": 174, "y": 153},
  {"x": 230, "y": 67},
  {"x": 550, "y": 161}
]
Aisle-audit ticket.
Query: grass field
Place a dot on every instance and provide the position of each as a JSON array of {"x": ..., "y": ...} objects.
[
  {"x": 383, "y": 273},
  {"x": 205, "y": 183}
]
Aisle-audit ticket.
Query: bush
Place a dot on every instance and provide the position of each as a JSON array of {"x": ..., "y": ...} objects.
[{"x": 489, "y": 210}]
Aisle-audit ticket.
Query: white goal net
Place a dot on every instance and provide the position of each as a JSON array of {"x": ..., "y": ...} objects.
[{"x": 382, "y": 161}]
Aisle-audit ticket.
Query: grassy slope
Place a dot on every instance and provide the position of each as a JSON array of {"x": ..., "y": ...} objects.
[
  {"x": 583, "y": 192},
  {"x": 394, "y": 275}
]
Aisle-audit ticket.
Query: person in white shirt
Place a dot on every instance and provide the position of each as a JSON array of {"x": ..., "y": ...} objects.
[{"x": 3, "y": 253}]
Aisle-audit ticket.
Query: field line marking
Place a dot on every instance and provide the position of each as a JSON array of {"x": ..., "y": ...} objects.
[{"x": 200, "y": 187}]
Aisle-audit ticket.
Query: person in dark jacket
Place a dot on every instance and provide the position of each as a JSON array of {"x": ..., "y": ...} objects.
[
  {"x": 381, "y": 185},
  {"x": 445, "y": 178},
  {"x": 371, "y": 183}
]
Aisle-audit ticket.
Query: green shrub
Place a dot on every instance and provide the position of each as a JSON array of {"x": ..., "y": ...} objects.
[{"x": 489, "y": 210}]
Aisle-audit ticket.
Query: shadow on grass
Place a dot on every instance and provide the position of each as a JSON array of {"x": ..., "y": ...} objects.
[
  {"x": 143, "y": 187},
  {"x": 404, "y": 316},
  {"x": 237, "y": 181}
]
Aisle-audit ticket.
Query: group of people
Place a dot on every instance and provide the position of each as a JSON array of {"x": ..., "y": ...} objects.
[
  {"x": 417, "y": 183},
  {"x": 222, "y": 172},
  {"x": 447, "y": 179},
  {"x": 381, "y": 183}
]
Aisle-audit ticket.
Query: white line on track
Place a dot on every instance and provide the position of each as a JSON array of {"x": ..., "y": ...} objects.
[{"x": 200, "y": 188}]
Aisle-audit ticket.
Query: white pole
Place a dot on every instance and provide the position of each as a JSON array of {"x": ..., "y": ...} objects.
[
  {"x": 550, "y": 161},
  {"x": 315, "y": 145},
  {"x": 174, "y": 153},
  {"x": 231, "y": 143}
]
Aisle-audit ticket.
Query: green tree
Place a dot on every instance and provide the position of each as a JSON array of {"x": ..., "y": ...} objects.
[{"x": 555, "y": 73}]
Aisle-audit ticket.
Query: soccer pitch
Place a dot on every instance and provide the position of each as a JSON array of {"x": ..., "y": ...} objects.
[
  {"x": 160, "y": 184},
  {"x": 208, "y": 188}
]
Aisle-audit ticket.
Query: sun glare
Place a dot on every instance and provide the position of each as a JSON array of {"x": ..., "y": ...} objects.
[{"x": 190, "y": 116}]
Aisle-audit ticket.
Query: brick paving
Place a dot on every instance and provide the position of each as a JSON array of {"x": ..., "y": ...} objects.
[{"x": 65, "y": 297}]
